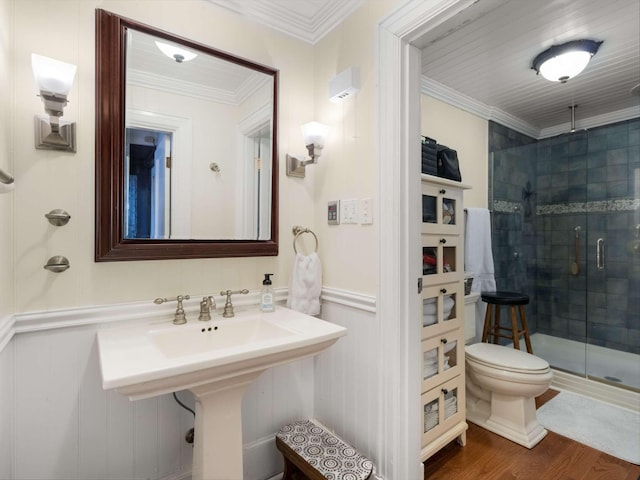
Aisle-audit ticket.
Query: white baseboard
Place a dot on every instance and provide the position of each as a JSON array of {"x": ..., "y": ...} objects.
[
  {"x": 186, "y": 475},
  {"x": 601, "y": 391}
]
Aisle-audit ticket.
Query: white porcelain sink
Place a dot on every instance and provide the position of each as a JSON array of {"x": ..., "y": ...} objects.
[
  {"x": 216, "y": 360},
  {"x": 222, "y": 336}
]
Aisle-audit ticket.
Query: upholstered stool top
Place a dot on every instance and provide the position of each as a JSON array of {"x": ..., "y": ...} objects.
[
  {"x": 325, "y": 452},
  {"x": 505, "y": 298}
]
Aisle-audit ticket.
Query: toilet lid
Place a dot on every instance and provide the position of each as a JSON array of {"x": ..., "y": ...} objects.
[{"x": 506, "y": 358}]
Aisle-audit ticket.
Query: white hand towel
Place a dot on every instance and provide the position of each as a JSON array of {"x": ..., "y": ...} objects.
[
  {"x": 478, "y": 258},
  {"x": 306, "y": 284}
]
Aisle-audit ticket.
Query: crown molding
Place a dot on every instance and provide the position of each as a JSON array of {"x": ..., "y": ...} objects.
[
  {"x": 247, "y": 88},
  {"x": 310, "y": 27},
  {"x": 172, "y": 85},
  {"x": 592, "y": 122},
  {"x": 453, "y": 97},
  {"x": 464, "y": 102}
]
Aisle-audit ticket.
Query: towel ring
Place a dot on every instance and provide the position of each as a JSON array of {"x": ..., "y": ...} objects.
[{"x": 297, "y": 231}]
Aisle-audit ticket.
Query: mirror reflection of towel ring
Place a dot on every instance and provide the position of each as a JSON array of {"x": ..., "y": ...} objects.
[{"x": 297, "y": 231}]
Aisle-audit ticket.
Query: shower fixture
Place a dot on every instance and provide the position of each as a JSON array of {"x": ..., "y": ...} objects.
[{"x": 573, "y": 117}]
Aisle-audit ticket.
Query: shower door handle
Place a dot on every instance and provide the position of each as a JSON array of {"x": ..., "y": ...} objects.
[{"x": 600, "y": 254}]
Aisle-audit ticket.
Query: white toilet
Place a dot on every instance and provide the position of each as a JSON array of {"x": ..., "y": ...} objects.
[{"x": 501, "y": 386}]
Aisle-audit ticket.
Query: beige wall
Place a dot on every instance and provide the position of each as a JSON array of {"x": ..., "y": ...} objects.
[
  {"x": 6, "y": 159},
  {"x": 65, "y": 30},
  {"x": 466, "y": 133},
  {"x": 48, "y": 180},
  {"x": 348, "y": 167}
]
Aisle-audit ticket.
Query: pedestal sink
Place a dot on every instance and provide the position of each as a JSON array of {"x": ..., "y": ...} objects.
[{"x": 216, "y": 360}]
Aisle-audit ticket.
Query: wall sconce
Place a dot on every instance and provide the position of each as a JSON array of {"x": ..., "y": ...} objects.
[
  {"x": 559, "y": 63},
  {"x": 54, "y": 80},
  {"x": 314, "y": 134}
]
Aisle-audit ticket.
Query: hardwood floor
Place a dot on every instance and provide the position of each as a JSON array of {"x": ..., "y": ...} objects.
[{"x": 491, "y": 457}]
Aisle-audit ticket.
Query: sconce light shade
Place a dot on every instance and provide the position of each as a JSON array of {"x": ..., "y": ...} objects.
[
  {"x": 178, "y": 54},
  {"x": 53, "y": 80},
  {"x": 52, "y": 76},
  {"x": 559, "y": 63},
  {"x": 315, "y": 134}
]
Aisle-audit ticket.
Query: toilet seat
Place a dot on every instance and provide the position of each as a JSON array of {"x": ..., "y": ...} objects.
[{"x": 509, "y": 359}]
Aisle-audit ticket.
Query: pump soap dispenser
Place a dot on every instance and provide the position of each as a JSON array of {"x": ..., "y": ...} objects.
[{"x": 266, "y": 295}]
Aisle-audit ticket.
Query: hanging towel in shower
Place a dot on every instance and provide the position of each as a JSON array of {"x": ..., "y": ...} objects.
[
  {"x": 306, "y": 284},
  {"x": 478, "y": 258}
]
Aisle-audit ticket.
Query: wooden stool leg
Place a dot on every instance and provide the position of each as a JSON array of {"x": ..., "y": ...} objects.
[
  {"x": 496, "y": 325},
  {"x": 525, "y": 328},
  {"x": 487, "y": 323},
  {"x": 289, "y": 468},
  {"x": 514, "y": 327}
]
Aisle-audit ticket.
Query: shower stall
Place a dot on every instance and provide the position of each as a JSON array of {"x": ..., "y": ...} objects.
[{"x": 566, "y": 231}]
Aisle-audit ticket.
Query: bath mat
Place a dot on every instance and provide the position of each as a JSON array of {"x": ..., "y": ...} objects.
[{"x": 605, "y": 427}]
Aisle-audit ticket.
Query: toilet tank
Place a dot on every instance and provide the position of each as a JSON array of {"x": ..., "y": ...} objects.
[{"x": 470, "y": 302}]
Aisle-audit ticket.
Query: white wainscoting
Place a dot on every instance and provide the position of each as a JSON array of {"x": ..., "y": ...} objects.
[
  {"x": 6, "y": 410},
  {"x": 347, "y": 379},
  {"x": 56, "y": 421}
]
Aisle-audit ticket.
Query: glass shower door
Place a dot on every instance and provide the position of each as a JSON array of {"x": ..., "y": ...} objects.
[{"x": 613, "y": 254}]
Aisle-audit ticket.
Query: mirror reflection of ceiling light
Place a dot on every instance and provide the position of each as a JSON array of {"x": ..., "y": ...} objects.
[
  {"x": 178, "y": 54},
  {"x": 559, "y": 63}
]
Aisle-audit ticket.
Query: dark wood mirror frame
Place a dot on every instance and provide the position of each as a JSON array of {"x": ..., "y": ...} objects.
[{"x": 109, "y": 176}]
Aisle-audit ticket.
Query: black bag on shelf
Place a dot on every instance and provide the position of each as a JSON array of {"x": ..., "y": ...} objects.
[
  {"x": 448, "y": 165},
  {"x": 429, "y": 156}
]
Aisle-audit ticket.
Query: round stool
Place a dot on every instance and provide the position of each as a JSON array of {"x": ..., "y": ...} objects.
[{"x": 512, "y": 299}]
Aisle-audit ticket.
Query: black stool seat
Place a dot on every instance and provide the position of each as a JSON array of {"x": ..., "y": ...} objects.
[
  {"x": 492, "y": 327},
  {"x": 505, "y": 298}
]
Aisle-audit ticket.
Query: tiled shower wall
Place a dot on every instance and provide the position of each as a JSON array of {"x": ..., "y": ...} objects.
[
  {"x": 512, "y": 163},
  {"x": 589, "y": 180}
]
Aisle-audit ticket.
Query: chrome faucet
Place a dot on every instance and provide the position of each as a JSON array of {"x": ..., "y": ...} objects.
[
  {"x": 180, "y": 317},
  {"x": 228, "y": 307},
  {"x": 206, "y": 305}
]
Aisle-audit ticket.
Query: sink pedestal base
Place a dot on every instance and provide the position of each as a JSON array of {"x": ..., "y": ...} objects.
[{"x": 217, "y": 447}]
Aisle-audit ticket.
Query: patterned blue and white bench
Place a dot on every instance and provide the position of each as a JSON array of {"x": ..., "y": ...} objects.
[{"x": 310, "y": 449}]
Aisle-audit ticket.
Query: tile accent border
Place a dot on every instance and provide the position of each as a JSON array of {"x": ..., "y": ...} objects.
[
  {"x": 504, "y": 206},
  {"x": 626, "y": 205}
]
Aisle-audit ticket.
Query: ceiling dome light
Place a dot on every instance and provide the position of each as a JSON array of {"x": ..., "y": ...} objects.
[
  {"x": 559, "y": 63},
  {"x": 178, "y": 54}
]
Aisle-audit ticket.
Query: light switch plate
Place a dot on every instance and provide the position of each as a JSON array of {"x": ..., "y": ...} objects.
[
  {"x": 366, "y": 211},
  {"x": 348, "y": 211}
]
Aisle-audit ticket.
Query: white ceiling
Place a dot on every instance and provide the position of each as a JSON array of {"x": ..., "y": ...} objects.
[
  {"x": 489, "y": 60},
  {"x": 481, "y": 61}
]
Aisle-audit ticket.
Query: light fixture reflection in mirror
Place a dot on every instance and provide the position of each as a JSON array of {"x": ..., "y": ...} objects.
[
  {"x": 178, "y": 54},
  {"x": 159, "y": 126}
]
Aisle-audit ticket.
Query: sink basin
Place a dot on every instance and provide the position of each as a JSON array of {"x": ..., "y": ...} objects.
[
  {"x": 222, "y": 336},
  {"x": 216, "y": 360}
]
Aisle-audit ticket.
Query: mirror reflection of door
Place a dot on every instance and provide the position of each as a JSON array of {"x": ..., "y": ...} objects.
[
  {"x": 148, "y": 183},
  {"x": 254, "y": 185}
]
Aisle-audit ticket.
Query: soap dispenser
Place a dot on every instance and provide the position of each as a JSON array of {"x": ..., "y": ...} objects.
[{"x": 266, "y": 295}]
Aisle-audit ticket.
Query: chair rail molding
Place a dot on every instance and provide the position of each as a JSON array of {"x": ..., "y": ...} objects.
[{"x": 113, "y": 313}]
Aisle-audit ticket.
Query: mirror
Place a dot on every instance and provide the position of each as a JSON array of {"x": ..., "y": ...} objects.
[{"x": 186, "y": 148}]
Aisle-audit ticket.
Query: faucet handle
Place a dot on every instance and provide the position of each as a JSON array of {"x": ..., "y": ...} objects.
[
  {"x": 180, "y": 316},
  {"x": 228, "y": 306}
]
